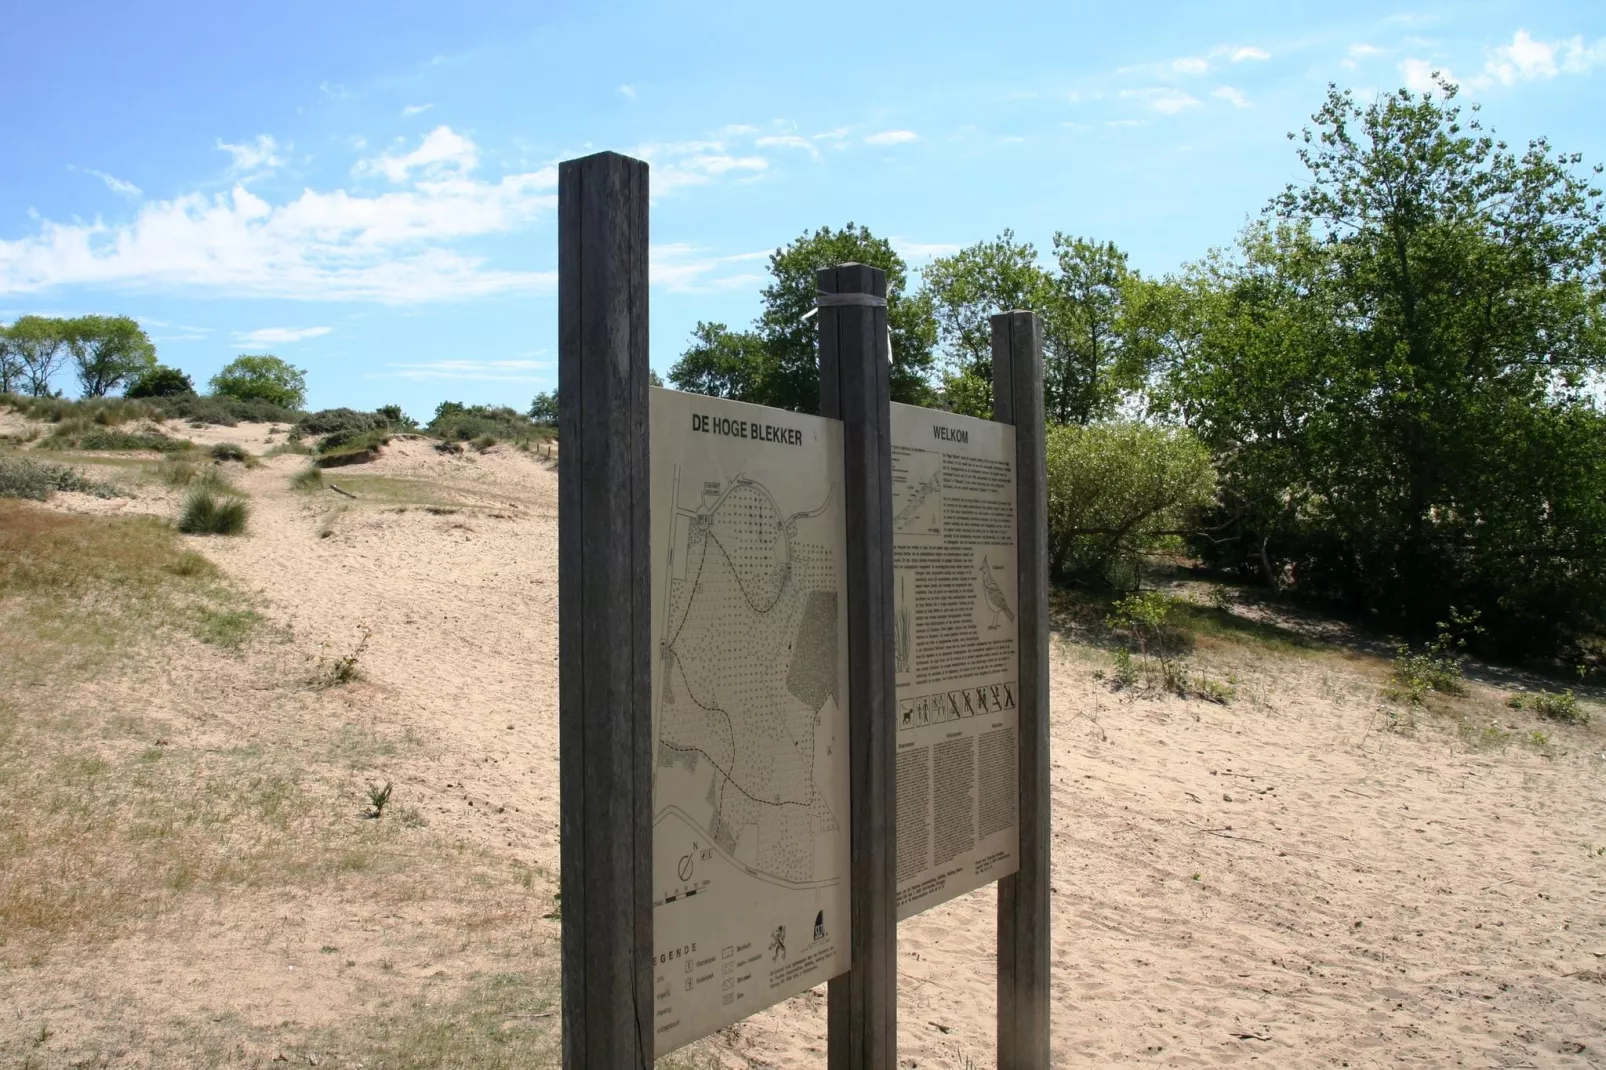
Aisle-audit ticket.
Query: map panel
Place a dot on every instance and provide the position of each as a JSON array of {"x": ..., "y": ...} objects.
[
  {"x": 955, "y": 643},
  {"x": 750, "y": 786}
]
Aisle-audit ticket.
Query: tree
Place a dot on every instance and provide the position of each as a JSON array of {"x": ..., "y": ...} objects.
[
  {"x": 966, "y": 289},
  {"x": 544, "y": 409},
  {"x": 160, "y": 381},
  {"x": 262, "y": 378},
  {"x": 1394, "y": 374},
  {"x": 722, "y": 363},
  {"x": 108, "y": 351},
  {"x": 1092, "y": 356},
  {"x": 39, "y": 345},
  {"x": 11, "y": 366}
]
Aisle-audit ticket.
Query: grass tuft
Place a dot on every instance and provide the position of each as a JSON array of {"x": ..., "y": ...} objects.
[
  {"x": 310, "y": 478},
  {"x": 209, "y": 513}
]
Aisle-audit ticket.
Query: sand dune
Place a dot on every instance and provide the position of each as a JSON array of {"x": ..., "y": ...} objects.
[{"x": 1280, "y": 880}]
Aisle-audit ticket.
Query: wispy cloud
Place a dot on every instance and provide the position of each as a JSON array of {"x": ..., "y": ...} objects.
[
  {"x": 627, "y": 91},
  {"x": 916, "y": 250},
  {"x": 112, "y": 182},
  {"x": 1190, "y": 65},
  {"x": 1163, "y": 99},
  {"x": 1231, "y": 95},
  {"x": 787, "y": 141},
  {"x": 1249, "y": 52},
  {"x": 684, "y": 268},
  {"x": 892, "y": 137},
  {"x": 277, "y": 336},
  {"x": 255, "y": 155},
  {"x": 415, "y": 109},
  {"x": 335, "y": 245},
  {"x": 442, "y": 152},
  {"x": 1358, "y": 54},
  {"x": 495, "y": 371},
  {"x": 693, "y": 163}
]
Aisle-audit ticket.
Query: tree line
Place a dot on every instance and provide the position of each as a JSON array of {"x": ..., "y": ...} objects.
[{"x": 1386, "y": 394}]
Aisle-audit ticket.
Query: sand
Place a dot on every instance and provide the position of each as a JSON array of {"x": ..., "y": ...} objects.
[{"x": 1281, "y": 880}]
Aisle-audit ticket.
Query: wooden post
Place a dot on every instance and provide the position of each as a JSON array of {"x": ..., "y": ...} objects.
[
  {"x": 863, "y": 1005},
  {"x": 604, "y": 666},
  {"x": 1023, "y": 915}
]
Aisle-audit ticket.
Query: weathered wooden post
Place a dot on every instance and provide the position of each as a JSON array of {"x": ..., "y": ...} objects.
[
  {"x": 862, "y": 1009},
  {"x": 604, "y": 661},
  {"x": 1024, "y": 922}
]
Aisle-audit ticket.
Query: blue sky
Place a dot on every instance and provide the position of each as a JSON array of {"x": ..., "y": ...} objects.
[{"x": 368, "y": 190}]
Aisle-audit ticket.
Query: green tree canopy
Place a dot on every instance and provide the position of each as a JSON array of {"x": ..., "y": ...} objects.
[
  {"x": 1394, "y": 374},
  {"x": 108, "y": 351},
  {"x": 777, "y": 363},
  {"x": 262, "y": 378}
]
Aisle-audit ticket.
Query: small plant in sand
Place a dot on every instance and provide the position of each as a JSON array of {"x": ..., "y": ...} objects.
[
  {"x": 378, "y": 799},
  {"x": 1563, "y": 707},
  {"x": 308, "y": 478},
  {"x": 1147, "y": 619},
  {"x": 1437, "y": 667},
  {"x": 344, "y": 669}
]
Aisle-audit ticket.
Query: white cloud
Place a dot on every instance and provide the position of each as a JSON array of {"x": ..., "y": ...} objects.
[
  {"x": 415, "y": 109},
  {"x": 271, "y": 336},
  {"x": 1233, "y": 96},
  {"x": 253, "y": 155},
  {"x": 787, "y": 141},
  {"x": 1249, "y": 52},
  {"x": 684, "y": 268},
  {"x": 1526, "y": 59},
  {"x": 692, "y": 163},
  {"x": 1164, "y": 100},
  {"x": 628, "y": 91},
  {"x": 832, "y": 135},
  {"x": 892, "y": 137},
  {"x": 916, "y": 250},
  {"x": 320, "y": 246},
  {"x": 1418, "y": 75},
  {"x": 116, "y": 185},
  {"x": 1190, "y": 65},
  {"x": 499, "y": 371},
  {"x": 442, "y": 152}
]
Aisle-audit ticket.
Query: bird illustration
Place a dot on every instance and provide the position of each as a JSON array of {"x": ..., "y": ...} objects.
[{"x": 995, "y": 596}]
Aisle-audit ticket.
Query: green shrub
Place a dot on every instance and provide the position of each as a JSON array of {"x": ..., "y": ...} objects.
[
  {"x": 351, "y": 447},
  {"x": 1563, "y": 707},
  {"x": 1437, "y": 667},
  {"x": 24, "y": 477},
  {"x": 310, "y": 478},
  {"x": 251, "y": 377},
  {"x": 71, "y": 436},
  {"x": 328, "y": 421},
  {"x": 455, "y": 422},
  {"x": 229, "y": 451},
  {"x": 224, "y": 411},
  {"x": 485, "y": 442},
  {"x": 160, "y": 382},
  {"x": 209, "y": 513},
  {"x": 1117, "y": 490}
]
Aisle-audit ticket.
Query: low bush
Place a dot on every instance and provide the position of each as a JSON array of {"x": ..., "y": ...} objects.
[
  {"x": 351, "y": 447},
  {"x": 24, "y": 477},
  {"x": 455, "y": 422},
  {"x": 1563, "y": 707},
  {"x": 229, "y": 451},
  {"x": 209, "y": 513},
  {"x": 1438, "y": 666},
  {"x": 75, "y": 436},
  {"x": 108, "y": 412},
  {"x": 176, "y": 471},
  {"x": 160, "y": 381},
  {"x": 328, "y": 421},
  {"x": 223, "y": 411}
]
